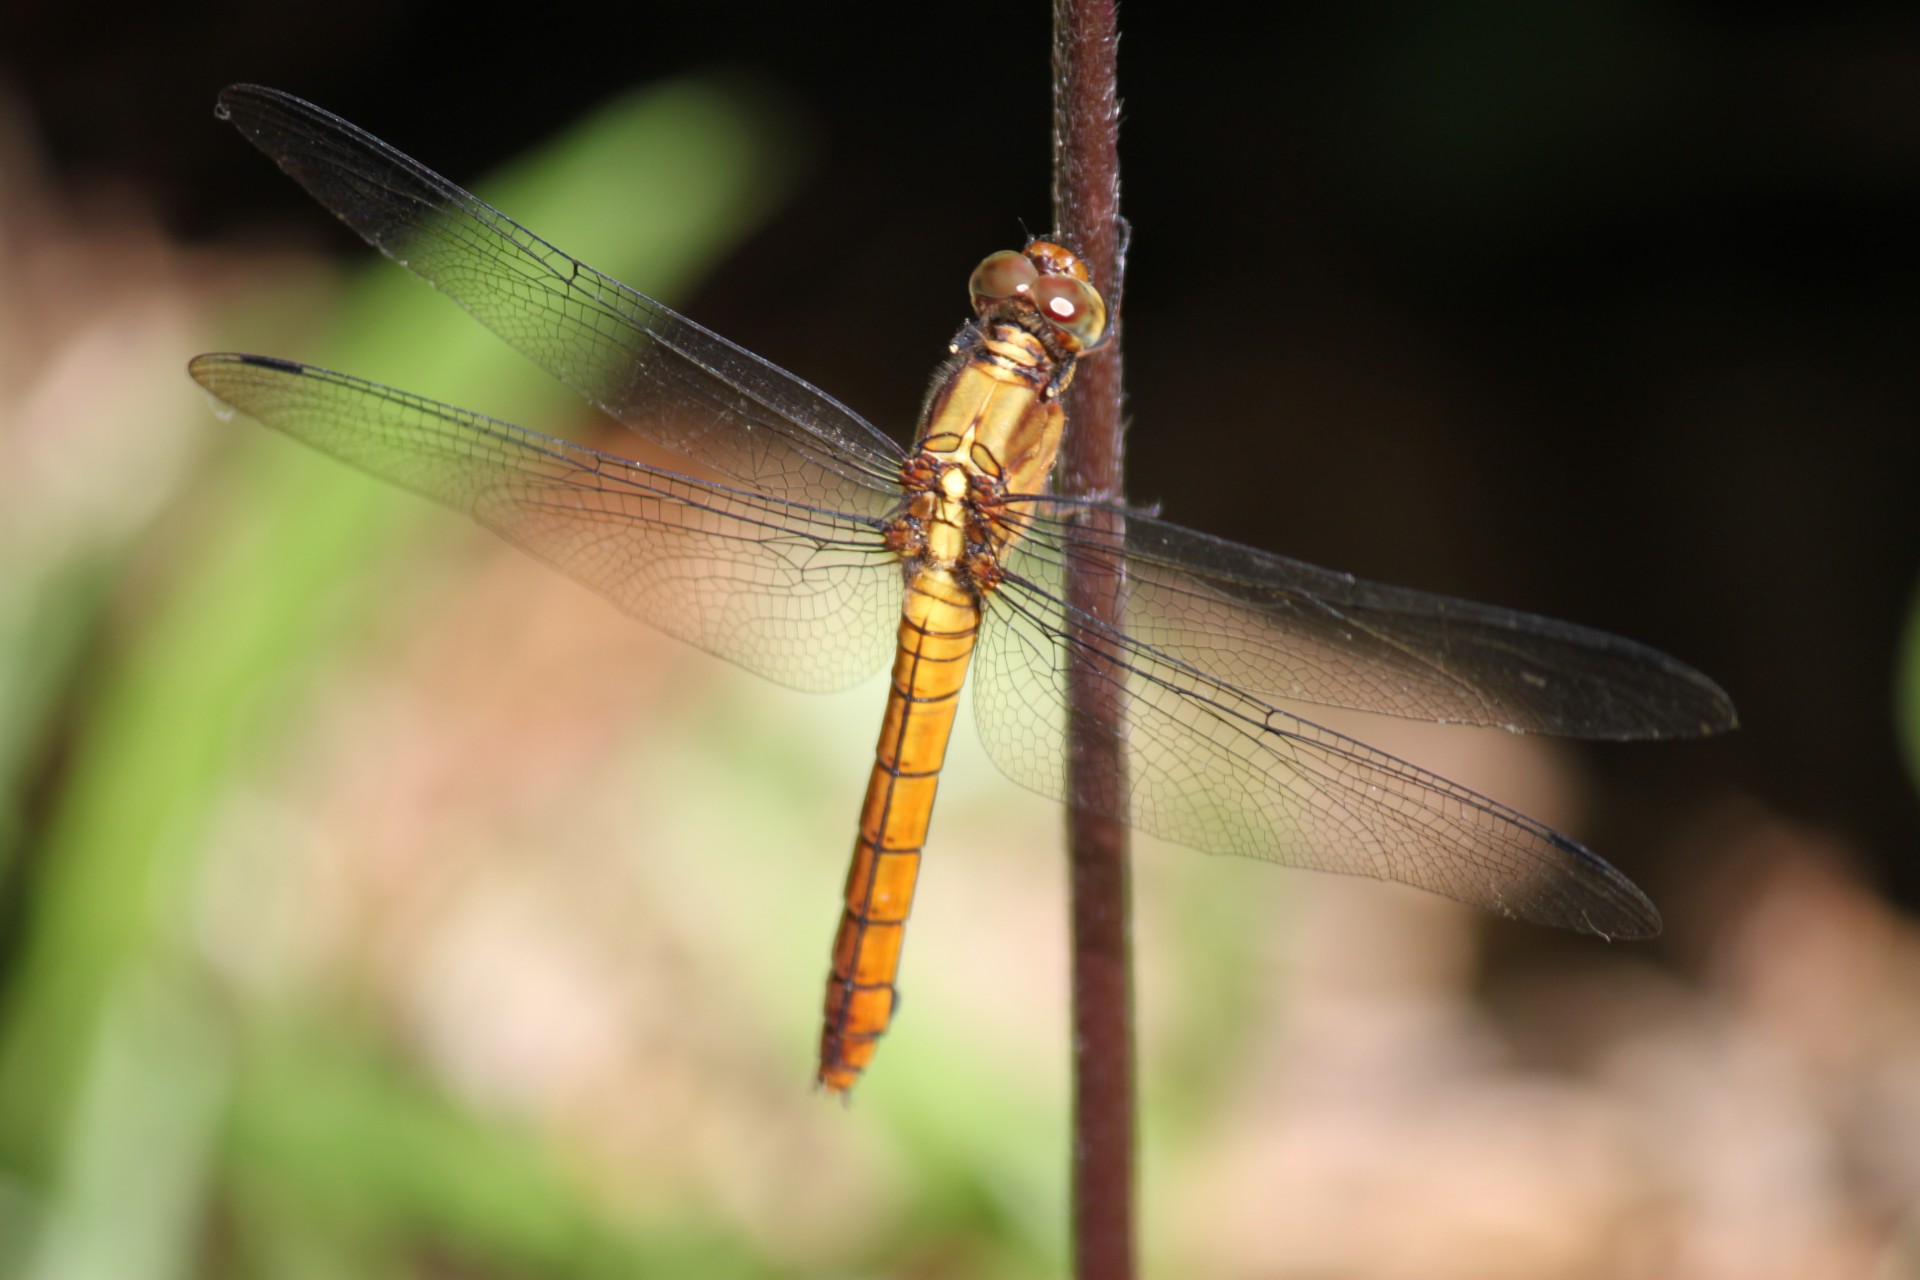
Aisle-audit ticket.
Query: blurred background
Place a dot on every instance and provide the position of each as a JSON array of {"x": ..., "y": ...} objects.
[{"x": 375, "y": 902}]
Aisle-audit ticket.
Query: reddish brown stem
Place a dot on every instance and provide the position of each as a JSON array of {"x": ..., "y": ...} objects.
[{"x": 1086, "y": 199}]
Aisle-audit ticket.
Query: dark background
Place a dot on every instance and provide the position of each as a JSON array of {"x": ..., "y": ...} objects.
[{"x": 1601, "y": 310}]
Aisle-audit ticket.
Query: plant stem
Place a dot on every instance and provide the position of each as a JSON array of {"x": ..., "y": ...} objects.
[{"x": 1086, "y": 201}]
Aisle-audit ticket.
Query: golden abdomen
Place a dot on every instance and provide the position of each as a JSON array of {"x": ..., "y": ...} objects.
[
  {"x": 991, "y": 428},
  {"x": 937, "y": 630}
]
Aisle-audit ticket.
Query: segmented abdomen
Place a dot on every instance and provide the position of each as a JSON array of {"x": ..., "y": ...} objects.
[{"x": 938, "y": 624}]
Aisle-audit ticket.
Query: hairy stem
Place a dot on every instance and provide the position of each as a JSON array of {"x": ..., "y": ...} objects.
[{"x": 1086, "y": 200}]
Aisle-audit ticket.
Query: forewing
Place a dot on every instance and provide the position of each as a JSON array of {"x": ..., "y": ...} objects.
[
  {"x": 1278, "y": 628},
  {"x": 1214, "y": 767},
  {"x": 802, "y": 595},
  {"x": 677, "y": 384}
]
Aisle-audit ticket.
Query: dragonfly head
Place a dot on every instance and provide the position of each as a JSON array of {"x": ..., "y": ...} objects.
[{"x": 1052, "y": 283}]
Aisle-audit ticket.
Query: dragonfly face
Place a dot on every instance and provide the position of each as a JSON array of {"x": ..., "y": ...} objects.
[{"x": 828, "y": 552}]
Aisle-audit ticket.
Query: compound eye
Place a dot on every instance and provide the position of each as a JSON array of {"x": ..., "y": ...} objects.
[
  {"x": 1073, "y": 307},
  {"x": 1005, "y": 274}
]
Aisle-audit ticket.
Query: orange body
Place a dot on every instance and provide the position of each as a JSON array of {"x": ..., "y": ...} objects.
[
  {"x": 936, "y": 640},
  {"x": 992, "y": 426}
]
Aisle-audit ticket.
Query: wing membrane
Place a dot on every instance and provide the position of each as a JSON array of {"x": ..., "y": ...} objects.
[
  {"x": 1279, "y": 628},
  {"x": 803, "y": 595},
  {"x": 674, "y": 382},
  {"x": 788, "y": 575},
  {"x": 1213, "y": 766}
]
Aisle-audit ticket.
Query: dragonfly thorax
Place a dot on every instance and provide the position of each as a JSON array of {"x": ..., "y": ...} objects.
[{"x": 953, "y": 522}]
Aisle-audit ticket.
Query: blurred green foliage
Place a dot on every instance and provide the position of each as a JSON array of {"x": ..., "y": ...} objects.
[
  {"x": 147, "y": 1127},
  {"x": 159, "y": 1118}
]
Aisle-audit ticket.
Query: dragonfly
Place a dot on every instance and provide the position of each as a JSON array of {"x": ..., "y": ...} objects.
[{"x": 806, "y": 545}]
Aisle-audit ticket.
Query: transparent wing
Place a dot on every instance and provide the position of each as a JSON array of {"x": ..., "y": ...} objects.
[
  {"x": 1278, "y": 628},
  {"x": 1215, "y": 767},
  {"x": 677, "y": 384},
  {"x": 803, "y": 595}
]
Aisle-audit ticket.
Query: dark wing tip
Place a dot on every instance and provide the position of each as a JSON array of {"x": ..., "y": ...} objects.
[
  {"x": 202, "y": 367},
  {"x": 216, "y": 373},
  {"x": 1639, "y": 923},
  {"x": 1700, "y": 707},
  {"x": 271, "y": 362},
  {"x": 241, "y": 95},
  {"x": 260, "y": 113},
  {"x": 1608, "y": 905},
  {"x": 1722, "y": 716},
  {"x": 244, "y": 91},
  {"x": 1647, "y": 695}
]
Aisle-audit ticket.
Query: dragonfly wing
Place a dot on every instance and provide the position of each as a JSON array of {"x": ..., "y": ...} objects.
[
  {"x": 1214, "y": 767},
  {"x": 803, "y": 595},
  {"x": 677, "y": 384},
  {"x": 1279, "y": 628}
]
